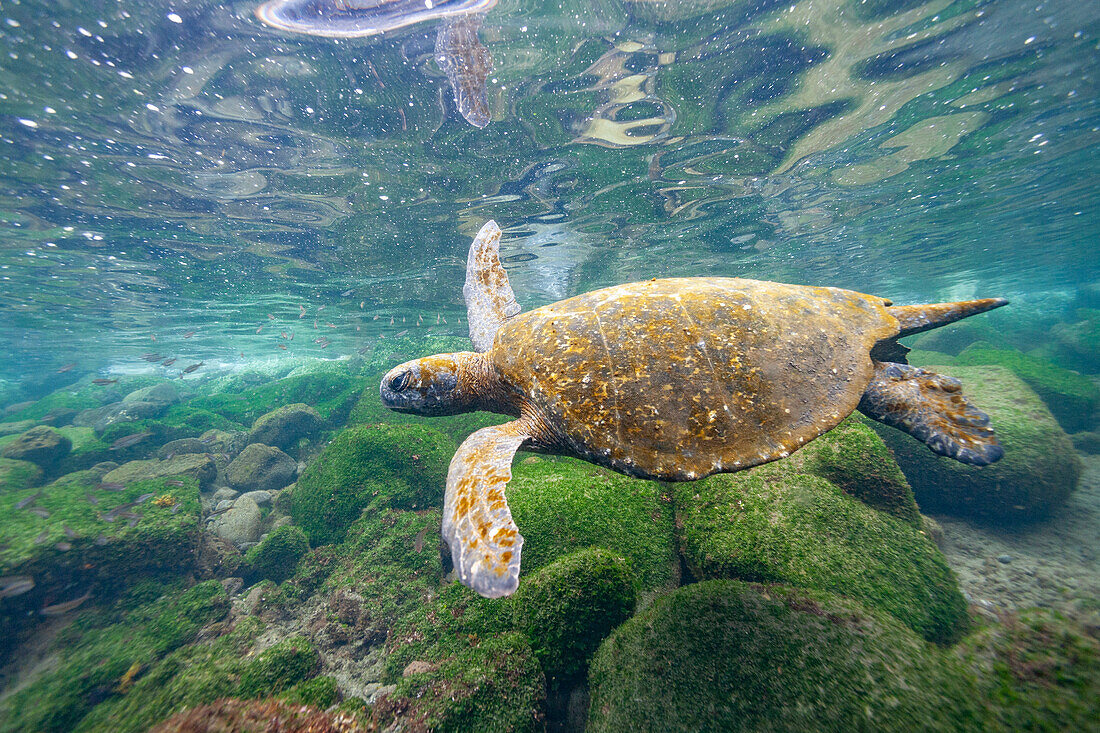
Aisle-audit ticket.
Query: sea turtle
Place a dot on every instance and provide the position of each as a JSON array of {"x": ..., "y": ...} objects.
[
  {"x": 458, "y": 52},
  {"x": 671, "y": 379}
]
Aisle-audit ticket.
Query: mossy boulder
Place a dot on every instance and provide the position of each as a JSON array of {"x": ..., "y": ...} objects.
[
  {"x": 854, "y": 458},
  {"x": 15, "y": 475},
  {"x": 164, "y": 393},
  {"x": 42, "y": 446},
  {"x": 563, "y": 505},
  {"x": 1038, "y": 471},
  {"x": 198, "y": 466},
  {"x": 279, "y": 667},
  {"x": 407, "y": 464},
  {"x": 773, "y": 524},
  {"x": 568, "y": 607},
  {"x": 330, "y": 393},
  {"x": 278, "y": 554},
  {"x": 1035, "y": 671},
  {"x": 319, "y": 692},
  {"x": 491, "y": 684},
  {"x": 99, "y": 658},
  {"x": 1071, "y": 398},
  {"x": 261, "y": 468},
  {"x": 284, "y": 427},
  {"x": 726, "y": 655}
]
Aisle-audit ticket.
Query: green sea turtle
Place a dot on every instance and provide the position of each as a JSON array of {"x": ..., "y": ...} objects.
[{"x": 672, "y": 379}]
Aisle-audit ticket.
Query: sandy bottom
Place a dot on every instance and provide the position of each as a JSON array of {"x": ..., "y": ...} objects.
[{"x": 1053, "y": 564}]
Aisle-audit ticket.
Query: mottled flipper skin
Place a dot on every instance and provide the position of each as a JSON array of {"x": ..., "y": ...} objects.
[
  {"x": 467, "y": 64},
  {"x": 489, "y": 297},
  {"x": 932, "y": 409},
  {"x": 477, "y": 524}
]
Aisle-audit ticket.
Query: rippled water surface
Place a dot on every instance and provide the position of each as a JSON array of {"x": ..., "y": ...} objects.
[{"x": 176, "y": 167}]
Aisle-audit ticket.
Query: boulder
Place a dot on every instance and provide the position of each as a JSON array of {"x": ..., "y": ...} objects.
[
  {"x": 42, "y": 446},
  {"x": 261, "y": 468},
  {"x": 59, "y": 416},
  {"x": 183, "y": 446},
  {"x": 1038, "y": 471},
  {"x": 15, "y": 475},
  {"x": 240, "y": 524},
  {"x": 285, "y": 426},
  {"x": 725, "y": 655},
  {"x": 773, "y": 523},
  {"x": 195, "y": 465},
  {"x": 164, "y": 393}
]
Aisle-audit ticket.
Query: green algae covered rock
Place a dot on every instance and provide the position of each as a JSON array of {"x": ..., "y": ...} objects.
[
  {"x": 725, "y": 655},
  {"x": 278, "y": 554},
  {"x": 1035, "y": 671},
  {"x": 281, "y": 666},
  {"x": 15, "y": 475},
  {"x": 1038, "y": 471},
  {"x": 284, "y": 427},
  {"x": 771, "y": 524},
  {"x": 568, "y": 607},
  {"x": 331, "y": 393},
  {"x": 853, "y": 458},
  {"x": 405, "y": 464},
  {"x": 1072, "y": 398},
  {"x": 42, "y": 446},
  {"x": 319, "y": 692},
  {"x": 563, "y": 505},
  {"x": 197, "y": 466},
  {"x": 493, "y": 685},
  {"x": 261, "y": 467},
  {"x": 100, "y": 656}
]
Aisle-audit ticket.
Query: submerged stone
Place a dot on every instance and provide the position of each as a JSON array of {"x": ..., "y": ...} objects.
[
  {"x": 42, "y": 446},
  {"x": 198, "y": 466},
  {"x": 284, "y": 427},
  {"x": 261, "y": 468}
]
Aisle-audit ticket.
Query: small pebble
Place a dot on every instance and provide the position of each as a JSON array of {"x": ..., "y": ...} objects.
[{"x": 1004, "y": 558}]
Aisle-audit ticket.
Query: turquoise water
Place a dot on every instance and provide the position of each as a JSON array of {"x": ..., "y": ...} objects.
[{"x": 177, "y": 167}]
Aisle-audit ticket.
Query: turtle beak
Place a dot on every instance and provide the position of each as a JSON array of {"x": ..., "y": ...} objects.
[{"x": 421, "y": 387}]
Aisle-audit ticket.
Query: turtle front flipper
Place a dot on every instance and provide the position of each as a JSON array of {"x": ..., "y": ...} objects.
[
  {"x": 932, "y": 409},
  {"x": 489, "y": 297},
  {"x": 477, "y": 524}
]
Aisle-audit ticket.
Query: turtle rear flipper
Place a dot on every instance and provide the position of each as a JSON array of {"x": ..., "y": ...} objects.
[{"x": 932, "y": 409}]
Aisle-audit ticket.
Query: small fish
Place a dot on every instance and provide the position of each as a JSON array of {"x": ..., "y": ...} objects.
[
  {"x": 376, "y": 318},
  {"x": 111, "y": 485},
  {"x": 403, "y": 319},
  {"x": 151, "y": 357},
  {"x": 381, "y": 335},
  {"x": 366, "y": 349},
  {"x": 391, "y": 320},
  {"x": 320, "y": 308},
  {"x": 67, "y": 368},
  {"x": 128, "y": 440},
  {"x": 282, "y": 334},
  {"x": 418, "y": 543},
  {"x": 331, "y": 325},
  {"x": 281, "y": 346},
  {"x": 15, "y": 585},
  {"x": 176, "y": 508},
  {"x": 399, "y": 334},
  {"x": 270, "y": 317},
  {"x": 69, "y": 531},
  {"x": 291, "y": 337},
  {"x": 153, "y": 336},
  {"x": 42, "y": 537},
  {"x": 91, "y": 499},
  {"x": 260, "y": 328},
  {"x": 63, "y": 546},
  {"x": 175, "y": 482},
  {"x": 325, "y": 345},
  {"x": 458, "y": 319},
  {"x": 193, "y": 367},
  {"x": 24, "y": 503},
  {"x": 207, "y": 440},
  {"x": 189, "y": 334},
  {"x": 347, "y": 293},
  {"x": 301, "y": 312},
  {"x": 60, "y": 609},
  {"x": 437, "y": 319},
  {"x": 444, "y": 319},
  {"x": 361, "y": 304},
  {"x": 40, "y": 512},
  {"x": 101, "y": 382},
  {"x": 169, "y": 362},
  {"x": 170, "y": 456},
  {"x": 144, "y": 498}
]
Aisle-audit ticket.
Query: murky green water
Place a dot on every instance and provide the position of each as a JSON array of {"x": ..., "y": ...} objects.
[{"x": 168, "y": 167}]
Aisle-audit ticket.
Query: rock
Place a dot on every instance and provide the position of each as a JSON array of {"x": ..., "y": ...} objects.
[
  {"x": 1006, "y": 559},
  {"x": 16, "y": 475},
  {"x": 285, "y": 426},
  {"x": 772, "y": 523},
  {"x": 277, "y": 555},
  {"x": 232, "y": 585},
  {"x": 1087, "y": 442},
  {"x": 406, "y": 463},
  {"x": 101, "y": 418},
  {"x": 93, "y": 415},
  {"x": 164, "y": 393},
  {"x": 42, "y": 446},
  {"x": 260, "y": 497},
  {"x": 1039, "y": 469},
  {"x": 59, "y": 416},
  {"x": 240, "y": 524},
  {"x": 224, "y": 494},
  {"x": 197, "y": 466},
  {"x": 725, "y": 655},
  {"x": 261, "y": 467},
  {"x": 417, "y": 666},
  {"x": 14, "y": 428},
  {"x": 183, "y": 446}
]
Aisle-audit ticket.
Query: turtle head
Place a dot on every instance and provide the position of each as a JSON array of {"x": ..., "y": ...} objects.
[{"x": 443, "y": 384}]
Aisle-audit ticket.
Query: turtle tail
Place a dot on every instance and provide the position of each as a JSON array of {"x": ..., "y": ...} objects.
[{"x": 918, "y": 318}]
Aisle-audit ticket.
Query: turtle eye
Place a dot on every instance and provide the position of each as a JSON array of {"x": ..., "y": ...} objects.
[{"x": 399, "y": 382}]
